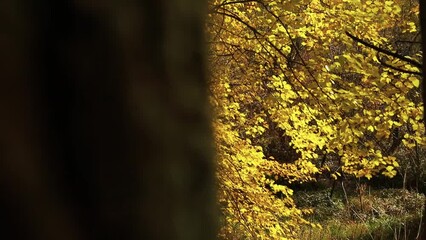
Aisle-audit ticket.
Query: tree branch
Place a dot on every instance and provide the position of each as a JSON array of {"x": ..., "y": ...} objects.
[
  {"x": 397, "y": 68},
  {"x": 384, "y": 51}
]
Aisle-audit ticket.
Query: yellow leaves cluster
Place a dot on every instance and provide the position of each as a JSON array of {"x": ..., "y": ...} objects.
[
  {"x": 369, "y": 164},
  {"x": 247, "y": 190},
  {"x": 288, "y": 65},
  {"x": 247, "y": 194}
]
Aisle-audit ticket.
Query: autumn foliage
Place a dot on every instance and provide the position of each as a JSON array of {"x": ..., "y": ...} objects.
[{"x": 307, "y": 88}]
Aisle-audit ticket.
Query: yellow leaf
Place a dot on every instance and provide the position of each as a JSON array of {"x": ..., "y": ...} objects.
[{"x": 415, "y": 81}]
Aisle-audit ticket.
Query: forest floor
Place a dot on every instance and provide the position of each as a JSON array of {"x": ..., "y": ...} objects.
[{"x": 362, "y": 212}]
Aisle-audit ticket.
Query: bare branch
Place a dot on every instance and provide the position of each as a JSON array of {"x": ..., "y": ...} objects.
[
  {"x": 384, "y": 51},
  {"x": 397, "y": 68}
]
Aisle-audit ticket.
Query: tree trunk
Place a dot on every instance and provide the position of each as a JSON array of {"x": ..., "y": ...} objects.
[
  {"x": 103, "y": 121},
  {"x": 422, "y": 16}
]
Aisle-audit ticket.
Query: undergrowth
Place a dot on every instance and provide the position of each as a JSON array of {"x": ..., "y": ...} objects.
[{"x": 367, "y": 214}]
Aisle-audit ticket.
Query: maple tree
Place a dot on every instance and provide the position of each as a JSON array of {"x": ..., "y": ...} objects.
[{"x": 335, "y": 82}]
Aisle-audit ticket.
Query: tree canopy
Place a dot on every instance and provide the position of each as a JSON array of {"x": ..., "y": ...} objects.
[{"x": 308, "y": 88}]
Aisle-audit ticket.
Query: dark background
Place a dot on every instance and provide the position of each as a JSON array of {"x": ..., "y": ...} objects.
[{"x": 104, "y": 129}]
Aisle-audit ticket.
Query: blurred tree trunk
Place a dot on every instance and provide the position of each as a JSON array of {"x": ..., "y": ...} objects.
[{"x": 104, "y": 132}]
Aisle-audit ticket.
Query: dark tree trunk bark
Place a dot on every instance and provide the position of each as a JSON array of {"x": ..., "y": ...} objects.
[{"x": 104, "y": 132}]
